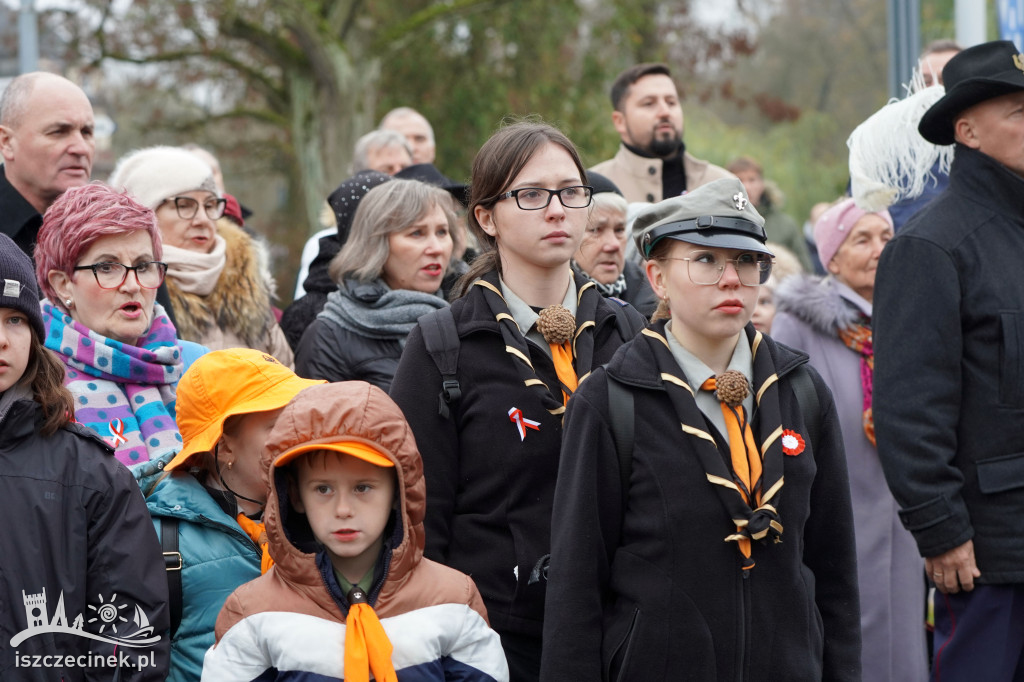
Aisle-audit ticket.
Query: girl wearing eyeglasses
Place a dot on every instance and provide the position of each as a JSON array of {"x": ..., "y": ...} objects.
[
  {"x": 99, "y": 264},
  {"x": 528, "y": 332},
  {"x": 219, "y": 293},
  {"x": 702, "y": 525}
]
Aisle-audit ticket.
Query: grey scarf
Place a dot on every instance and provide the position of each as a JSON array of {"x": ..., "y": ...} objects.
[{"x": 377, "y": 312}]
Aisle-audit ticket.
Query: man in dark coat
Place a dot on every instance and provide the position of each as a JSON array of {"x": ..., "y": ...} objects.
[{"x": 949, "y": 370}]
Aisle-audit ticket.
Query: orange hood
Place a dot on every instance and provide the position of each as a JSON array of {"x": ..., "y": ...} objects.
[{"x": 351, "y": 411}]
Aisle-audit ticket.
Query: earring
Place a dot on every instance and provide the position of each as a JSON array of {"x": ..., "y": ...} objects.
[
  {"x": 68, "y": 302},
  {"x": 231, "y": 464}
]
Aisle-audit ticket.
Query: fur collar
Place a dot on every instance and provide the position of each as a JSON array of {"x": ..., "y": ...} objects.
[
  {"x": 818, "y": 301},
  {"x": 239, "y": 303}
]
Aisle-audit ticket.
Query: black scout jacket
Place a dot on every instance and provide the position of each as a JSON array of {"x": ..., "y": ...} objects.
[
  {"x": 490, "y": 490},
  {"x": 647, "y": 588}
]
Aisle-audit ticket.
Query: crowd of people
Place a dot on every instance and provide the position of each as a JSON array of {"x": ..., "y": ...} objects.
[{"x": 557, "y": 423}]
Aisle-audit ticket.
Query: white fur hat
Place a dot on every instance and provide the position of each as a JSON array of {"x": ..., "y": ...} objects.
[{"x": 154, "y": 174}]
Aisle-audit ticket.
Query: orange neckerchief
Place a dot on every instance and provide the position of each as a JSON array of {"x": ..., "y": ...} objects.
[
  {"x": 746, "y": 460},
  {"x": 367, "y": 646},
  {"x": 561, "y": 354},
  {"x": 258, "y": 533}
]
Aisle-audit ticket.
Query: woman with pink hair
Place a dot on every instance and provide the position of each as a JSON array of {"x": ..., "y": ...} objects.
[{"x": 98, "y": 265}]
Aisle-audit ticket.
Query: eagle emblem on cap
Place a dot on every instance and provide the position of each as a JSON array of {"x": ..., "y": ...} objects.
[
  {"x": 1018, "y": 62},
  {"x": 739, "y": 200}
]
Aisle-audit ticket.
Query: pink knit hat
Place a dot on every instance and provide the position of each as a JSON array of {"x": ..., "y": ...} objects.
[{"x": 834, "y": 225}]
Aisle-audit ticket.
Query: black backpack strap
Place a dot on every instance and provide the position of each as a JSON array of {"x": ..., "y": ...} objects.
[
  {"x": 441, "y": 338},
  {"x": 620, "y": 411},
  {"x": 627, "y": 325},
  {"x": 172, "y": 562},
  {"x": 807, "y": 398}
]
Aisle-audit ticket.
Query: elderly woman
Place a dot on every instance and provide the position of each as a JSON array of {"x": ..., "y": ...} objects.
[
  {"x": 75, "y": 523},
  {"x": 207, "y": 502},
  {"x": 601, "y": 257},
  {"x": 98, "y": 262},
  {"x": 830, "y": 319},
  {"x": 389, "y": 274},
  {"x": 220, "y": 294}
]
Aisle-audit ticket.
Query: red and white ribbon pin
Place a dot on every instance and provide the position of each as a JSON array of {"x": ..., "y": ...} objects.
[
  {"x": 117, "y": 430},
  {"x": 515, "y": 415}
]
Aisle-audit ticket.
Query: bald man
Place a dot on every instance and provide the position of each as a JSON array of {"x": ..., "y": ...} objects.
[
  {"x": 47, "y": 144},
  {"x": 416, "y": 129}
]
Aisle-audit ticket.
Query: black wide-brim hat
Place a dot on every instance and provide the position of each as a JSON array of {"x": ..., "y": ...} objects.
[{"x": 977, "y": 74}]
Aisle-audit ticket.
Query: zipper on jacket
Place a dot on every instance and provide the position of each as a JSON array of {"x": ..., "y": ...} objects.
[{"x": 743, "y": 671}]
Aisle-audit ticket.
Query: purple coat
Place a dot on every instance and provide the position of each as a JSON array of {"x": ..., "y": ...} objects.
[{"x": 890, "y": 570}]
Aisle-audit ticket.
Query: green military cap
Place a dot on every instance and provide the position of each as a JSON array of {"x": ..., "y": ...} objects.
[{"x": 717, "y": 214}]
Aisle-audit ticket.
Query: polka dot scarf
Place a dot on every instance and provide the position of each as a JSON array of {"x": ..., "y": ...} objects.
[{"x": 124, "y": 393}]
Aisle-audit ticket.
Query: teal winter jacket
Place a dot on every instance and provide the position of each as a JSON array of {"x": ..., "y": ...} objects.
[{"x": 217, "y": 557}]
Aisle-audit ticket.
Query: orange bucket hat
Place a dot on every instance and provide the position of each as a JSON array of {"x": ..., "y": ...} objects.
[{"x": 224, "y": 383}]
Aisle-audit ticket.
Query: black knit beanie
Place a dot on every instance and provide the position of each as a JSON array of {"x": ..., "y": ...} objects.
[{"x": 18, "y": 284}]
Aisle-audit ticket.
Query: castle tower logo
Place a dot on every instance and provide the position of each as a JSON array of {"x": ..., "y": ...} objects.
[{"x": 109, "y": 616}]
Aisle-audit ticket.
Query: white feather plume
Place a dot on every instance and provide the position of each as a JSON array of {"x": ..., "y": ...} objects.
[{"x": 889, "y": 160}]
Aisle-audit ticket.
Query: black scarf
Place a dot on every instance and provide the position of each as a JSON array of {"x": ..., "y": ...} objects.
[{"x": 587, "y": 300}]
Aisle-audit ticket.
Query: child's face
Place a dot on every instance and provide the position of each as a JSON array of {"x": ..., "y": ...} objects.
[
  {"x": 15, "y": 346},
  {"x": 348, "y": 502},
  {"x": 764, "y": 311}
]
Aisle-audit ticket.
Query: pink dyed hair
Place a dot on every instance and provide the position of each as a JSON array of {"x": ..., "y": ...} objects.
[{"x": 79, "y": 217}]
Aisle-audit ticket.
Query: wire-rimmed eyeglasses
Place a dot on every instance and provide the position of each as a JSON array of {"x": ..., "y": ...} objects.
[{"x": 706, "y": 269}]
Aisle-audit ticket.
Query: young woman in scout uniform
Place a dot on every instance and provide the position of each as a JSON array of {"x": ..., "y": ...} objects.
[
  {"x": 725, "y": 551},
  {"x": 529, "y": 331}
]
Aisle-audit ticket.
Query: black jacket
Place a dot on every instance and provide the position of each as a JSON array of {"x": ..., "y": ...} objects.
[
  {"x": 489, "y": 491},
  {"x": 328, "y": 351},
  {"x": 949, "y": 368},
  {"x": 76, "y": 527},
  {"x": 647, "y": 589},
  {"x": 638, "y": 290},
  {"x": 19, "y": 220},
  {"x": 297, "y": 317}
]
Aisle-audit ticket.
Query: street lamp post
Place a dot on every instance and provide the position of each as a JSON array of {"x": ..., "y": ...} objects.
[{"x": 28, "y": 38}]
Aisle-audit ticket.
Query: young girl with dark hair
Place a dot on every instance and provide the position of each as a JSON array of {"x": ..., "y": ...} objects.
[{"x": 529, "y": 331}]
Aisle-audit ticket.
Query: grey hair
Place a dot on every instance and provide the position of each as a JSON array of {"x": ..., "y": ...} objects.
[
  {"x": 604, "y": 200},
  {"x": 376, "y": 139},
  {"x": 14, "y": 103},
  {"x": 387, "y": 208},
  {"x": 403, "y": 112}
]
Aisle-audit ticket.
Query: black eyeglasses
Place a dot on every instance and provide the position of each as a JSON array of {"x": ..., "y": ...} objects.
[
  {"x": 536, "y": 198},
  {"x": 149, "y": 275},
  {"x": 187, "y": 207}
]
